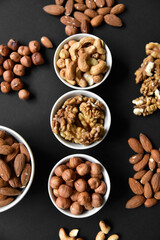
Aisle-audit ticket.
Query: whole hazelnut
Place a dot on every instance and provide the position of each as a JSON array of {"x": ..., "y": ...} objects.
[
  {"x": 37, "y": 58},
  {"x": 75, "y": 161},
  {"x": 8, "y": 75},
  {"x": 5, "y": 87},
  {"x": 63, "y": 203},
  {"x": 4, "y": 50},
  {"x": 8, "y": 64},
  {"x": 24, "y": 94},
  {"x": 1, "y": 59},
  {"x": 96, "y": 168},
  {"x": 68, "y": 175},
  {"x": 83, "y": 198},
  {"x": 15, "y": 57},
  {"x": 16, "y": 84},
  {"x": 97, "y": 200},
  {"x": 55, "y": 182},
  {"x": 24, "y": 50},
  {"x": 65, "y": 191},
  {"x": 13, "y": 44},
  {"x": 1, "y": 71},
  {"x": 59, "y": 170},
  {"x": 34, "y": 46},
  {"x": 83, "y": 169},
  {"x": 76, "y": 208},
  {"x": 26, "y": 61},
  {"x": 81, "y": 185},
  {"x": 19, "y": 70}
]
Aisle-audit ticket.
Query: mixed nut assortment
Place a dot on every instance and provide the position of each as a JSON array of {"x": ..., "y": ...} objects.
[
  {"x": 78, "y": 185},
  {"x": 80, "y": 120},
  {"x": 149, "y": 77},
  {"x": 145, "y": 183},
  {"x": 80, "y": 14},
  {"x": 83, "y": 62},
  {"x": 15, "y": 168}
]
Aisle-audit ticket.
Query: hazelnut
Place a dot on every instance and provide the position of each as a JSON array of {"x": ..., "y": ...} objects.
[
  {"x": 74, "y": 196},
  {"x": 19, "y": 70},
  {"x": 63, "y": 203},
  {"x": 96, "y": 169},
  {"x": 1, "y": 71},
  {"x": 8, "y": 64},
  {"x": 83, "y": 169},
  {"x": 15, "y": 56},
  {"x": 83, "y": 198},
  {"x": 94, "y": 183},
  {"x": 75, "y": 161},
  {"x": 4, "y": 50},
  {"x": 1, "y": 59},
  {"x": 76, "y": 208},
  {"x": 13, "y": 44},
  {"x": 88, "y": 206},
  {"x": 37, "y": 58},
  {"x": 59, "y": 170},
  {"x": 24, "y": 94},
  {"x": 8, "y": 75},
  {"x": 55, "y": 182},
  {"x": 68, "y": 175},
  {"x": 55, "y": 192},
  {"x": 24, "y": 50},
  {"x": 26, "y": 61},
  {"x": 70, "y": 183},
  {"x": 102, "y": 188},
  {"x": 81, "y": 185},
  {"x": 65, "y": 191},
  {"x": 16, "y": 84},
  {"x": 97, "y": 200},
  {"x": 5, "y": 87},
  {"x": 34, "y": 46}
]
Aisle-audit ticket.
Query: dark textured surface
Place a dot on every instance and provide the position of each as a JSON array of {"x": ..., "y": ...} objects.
[{"x": 35, "y": 217}]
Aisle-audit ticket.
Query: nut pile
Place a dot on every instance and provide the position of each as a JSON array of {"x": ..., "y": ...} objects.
[
  {"x": 83, "y": 62},
  {"x": 80, "y": 120},
  {"x": 149, "y": 77},
  {"x": 78, "y": 185},
  {"x": 83, "y": 15},
  {"x": 145, "y": 183},
  {"x": 15, "y": 168}
]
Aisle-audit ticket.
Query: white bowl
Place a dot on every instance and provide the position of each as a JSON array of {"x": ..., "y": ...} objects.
[
  {"x": 59, "y": 103},
  {"x": 20, "y": 139},
  {"x": 105, "y": 177},
  {"x": 78, "y": 37}
]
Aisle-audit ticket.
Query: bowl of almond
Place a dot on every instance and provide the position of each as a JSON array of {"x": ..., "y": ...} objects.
[{"x": 16, "y": 168}]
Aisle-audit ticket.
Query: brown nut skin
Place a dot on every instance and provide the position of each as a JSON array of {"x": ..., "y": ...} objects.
[
  {"x": 97, "y": 200},
  {"x": 24, "y": 50},
  {"x": 1, "y": 59},
  {"x": 34, "y": 46},
  {"x": 5, "y": 87},
  {"x": 15, "y": 57},
  {"x": 4, "y": 50},
  {"x": 19, "y": 70},
  {"x": 55, "y": 192},
  {"x": 16, "y": 84},
  {"x": 26, "y": 61},
  {"x": 88, "y": 206},
  {"x": 37, "y": 58},
  {"x": 83, "y": 198},
  {"x": 1, "y": 71},
  {"x": 13, "y": 44},
  {"x": 59, "y": 170},
  {"x": 96, "y": 169},
  {"x": 74, "y": 196},
  {"x": 81, "y": 185},
  {"x": 76, "y": 208},
  {"x": 70, "y": 30},
  {"x": 65, "y": 191},
  {"x": 97, "y": 175},
  {"x": 83, "y": 169},
  {"x": 8, "y": 75},
  {"x": 68, "y": 175},
  {"x": 75, "y": 161},
  {"x": 94, "y": 183},
  {"x": 63, "y": 203},
  {"x": 70, "y": 183},
  {"x": 8, "y": 64},
  {"x": 55, "y": 182},
  {"x": 102, "y": 188},
  {"x": 24, "y": 94}
]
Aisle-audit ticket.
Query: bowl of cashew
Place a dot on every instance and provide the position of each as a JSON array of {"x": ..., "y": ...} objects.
[{"x": 82, "y": 61}]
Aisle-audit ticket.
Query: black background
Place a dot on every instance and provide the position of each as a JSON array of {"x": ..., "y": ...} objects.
[{"x": 35, "y": 217}]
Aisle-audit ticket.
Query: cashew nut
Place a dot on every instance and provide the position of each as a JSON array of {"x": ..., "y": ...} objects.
[
  {"x": 63, "y": 235},
  {"x": 73, "y": 232},
  {"x": 95, "y": 55},
  {"x": 73, "y": 49},
  {"x": 61, "y": 63},
  {"x": 71, "y": 42},
  {"x": 113, "y": 237},
  {"x": 86, "y": 40},
  {"x": 62, "y": 73},
  {"x": 97, "y": 78},
  {"x": 71, "y": 71},
  {"x": 98, "y": 45},
  {"x": 66, "y": 46},
  {"x": 82, "y": 62},
  {"x": 104, "y": 227},
  {"x": 92, "y": 61},
  {"x": 89, "y": 78},
  {"x": 90, "y": 50},
  {"x": 102, "y": 57},
  {"x": 64, "y": 54},
  {"x": 99, "y": 68},
  {"x": 100, "y": 236},
  {"x": 67, "y": 62},
  {"x": 72, "y": 82},
  {"x": 80, "y": 81}
]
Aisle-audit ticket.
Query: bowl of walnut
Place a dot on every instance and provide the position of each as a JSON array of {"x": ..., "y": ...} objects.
[
  {"x": 16, "y": 168},
  {"x": 79, "y": 185},
  {"x": 82, "y": 61},
  {"x": 80, "y": 119}
]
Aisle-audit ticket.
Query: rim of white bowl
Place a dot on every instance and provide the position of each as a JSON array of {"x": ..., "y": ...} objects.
[
  {"x": 20, "y": 139},
  {"x": 79, "y": 36},
  {"x": 106, "y": 179},
  {"x": 59, "y": 103}
]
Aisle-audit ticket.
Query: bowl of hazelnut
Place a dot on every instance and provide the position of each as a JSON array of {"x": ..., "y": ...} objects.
[
  {"x": 80, "y": 119},
  {"x": 79, "y": 185},
  {"x": 82, "y": 61}
]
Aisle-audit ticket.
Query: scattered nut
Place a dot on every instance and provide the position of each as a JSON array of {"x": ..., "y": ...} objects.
[
  {"x": 13, "y": 44},
  {"x": 8, "y": 75},
  {"x": 24, "y": 50},
  {"x": 24, "y": 94},
  {"x": 4, "y": 50},
  {"x": 34, "y": 46},
  {"x": 5, "y": 87},
  {"x": 46, "y": 42},
  {"x": 37, "y": 58},
  {"x": 16, "y": 84},
  {"x": 19, "y": 70},
  {"x": 8, "y": 64},
  {"x": 15, "y": 57},
  {"x": 26, "y": 61}
]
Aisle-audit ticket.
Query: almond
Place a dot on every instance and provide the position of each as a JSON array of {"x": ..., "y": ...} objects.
[
  {"x": 150, "y": 202},
  {"x": 85, "y": 26},
  {"x": 6, "y": 149},
  {"x": 157, "y": 195},
  {"x": 147, "y": 177},
  {"x": 9, "y": 140},
  {"x": 70, "y": 30},
  {"x": 155, "y": 182},
  {"x": 80, "y": 6},
  {"x": 15, "y": 182},
  {"x": 90, "y": 4},
  {"x": 5, "y": 171},
  {"x": 19, "y": 164},
  {"x": 113, "y": 21},
  {"x": 69, "y": 7},
  {"x": 46, "y": 42},
  {"x": 148, "y": 190},
  {"x": 90, "y": 13},
  {"x": 9, "y": 191},
  {"x": 97, "y": 21},
  {"x": 110, "y": 3},
  {"x": 135, "y": 186},
  {"x": 146, "y": 143},
  {"x": 11, "y": 156},
  {"x": 141, "y": 165},
  {"x": 152, "y": 164},
  {"x": 136, "y": 158},
  {"x": 135, "y": 202},
  {"x": 2, "y": 134},
  {"x": 139, "y": 175},
  {"x": 2, "y": 197},
  {"x": 118, "y": 9},
  {"x": 54, "y": 9},
  {"x": 103, "y": 11},
  {"x": 158, "y": 170},
  {"x": 79, "y": 1},
  {"x": 135, "y": 145},
  {"x": 3, "y": 183},
  {"x": 80, "y": 16},
  {"x": 100, "y": 3},
  {"x": 59, "y": 2},
  {"x": 155, "y": 155},
  {"x": 24, "y": 150},
  {"x": 6, "y": 201},
  {"x": 25, "y": 176},
  {"x": 70, "y": 21},
  {"x": 2, "y": 142}
]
